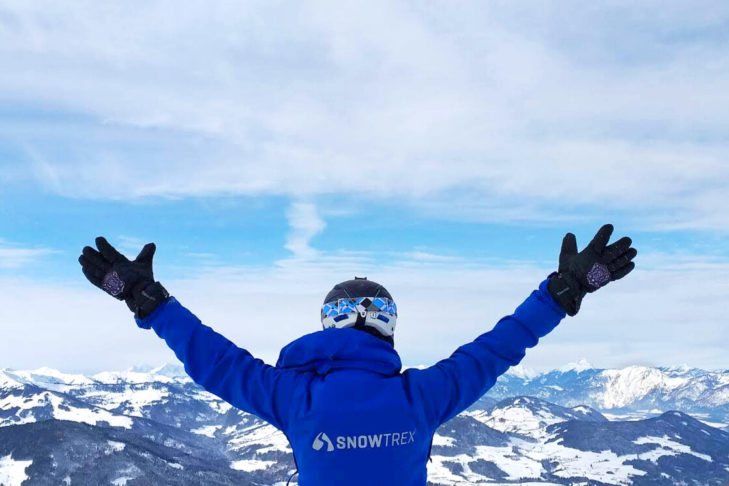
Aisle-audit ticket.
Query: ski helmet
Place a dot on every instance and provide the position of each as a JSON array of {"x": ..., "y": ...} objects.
[{"x": 361, "y": 304}]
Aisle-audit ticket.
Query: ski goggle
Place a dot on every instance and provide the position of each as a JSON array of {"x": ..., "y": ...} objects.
[
  {"x": 379, "y": 312},
  {"x": 347, "y": 305}
]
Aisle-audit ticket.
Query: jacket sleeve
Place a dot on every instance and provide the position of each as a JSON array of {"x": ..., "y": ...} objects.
[
  {"x": 222, "y": 368},
  {"x": 453, "y": 384}
]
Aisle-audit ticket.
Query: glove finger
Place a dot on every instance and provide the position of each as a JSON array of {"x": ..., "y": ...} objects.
[
  {"x": 91, "y": 265},
  {"x": 94, "y": 257},
  {"x": 616, "y": 249},
  {"x": 622, "y": 272},
  {"x": 601, "y": 238},
  {"x": 92, "y": 269},
  {"x": 93, "y": 276},
  {"x": 147, "y": 253},
  {"x": 622, "y": 260},
  {"x": 108, "y": 251},
  {"x": 569, "y": 247}
]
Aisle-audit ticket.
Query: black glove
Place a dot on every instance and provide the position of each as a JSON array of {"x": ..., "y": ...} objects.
[
  {"x": 590, "y": 269},
  {"x": 130, "y": 281}
]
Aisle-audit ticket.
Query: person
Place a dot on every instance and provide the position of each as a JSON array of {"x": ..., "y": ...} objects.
[{"x": 339, "y": 395}]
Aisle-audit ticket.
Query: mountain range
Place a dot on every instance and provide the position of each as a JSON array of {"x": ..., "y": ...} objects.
[{"x": 576, "y": 425}]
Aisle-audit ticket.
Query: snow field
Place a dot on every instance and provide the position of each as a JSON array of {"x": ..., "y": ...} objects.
[
  {"x": 12, "y": 472},
  {"x": 250, "y": 465},
  {"x": 60, "y": 410}
]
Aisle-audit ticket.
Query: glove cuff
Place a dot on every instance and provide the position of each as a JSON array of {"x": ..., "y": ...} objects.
[
  {"x": 567, "y": 292},
  {"x": 145, "y": 297}
]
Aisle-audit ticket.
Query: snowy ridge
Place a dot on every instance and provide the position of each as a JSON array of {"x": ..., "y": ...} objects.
[
  {"x": 578, "y": 367},
  {"x": 637, "y": 391},
  {"x": 628, "y": 385},
  {"x": 151, "y": 422},
  {"x": 8, "y": 380},
  {"x": 531, "y": 416}
]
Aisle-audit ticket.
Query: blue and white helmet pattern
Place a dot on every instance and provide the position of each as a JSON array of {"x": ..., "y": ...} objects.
[{"x": 379, "y": 313}]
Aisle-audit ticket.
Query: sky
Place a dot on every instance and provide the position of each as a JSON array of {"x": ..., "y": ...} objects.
[{"x": 442, "y": 149}]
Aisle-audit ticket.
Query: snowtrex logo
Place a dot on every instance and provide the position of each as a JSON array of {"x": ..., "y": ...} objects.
[
  {"x": 320, "y": 440},
  {"x": 391, "y": 439}
]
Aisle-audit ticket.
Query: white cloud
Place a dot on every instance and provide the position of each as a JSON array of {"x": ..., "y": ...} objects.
[
  {"x": 485, "y": 111},
  {"x": 304, "y": 223},
  {"x": 666, "y": 313},
  {"x": 12, "y": 256}
]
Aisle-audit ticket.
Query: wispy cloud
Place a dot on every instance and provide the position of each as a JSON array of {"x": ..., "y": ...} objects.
[
  {"x": 641, "y": 319},
  {"x": 305, "y": 223},
  {"x": 484, "y": 112},
  {"x": 13, "y": 256},
  {"x": 495, "y": 108}
]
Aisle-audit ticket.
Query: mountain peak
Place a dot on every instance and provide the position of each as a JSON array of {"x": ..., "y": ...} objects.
[
  {"x": 51, "y": 376},
  {"x": 578, "y": 367},
  {"x": 169, "y": 370},
  {"x": 521, "y": 371}
]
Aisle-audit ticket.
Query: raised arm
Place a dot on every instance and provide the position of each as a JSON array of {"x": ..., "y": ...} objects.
[
  {"x": 210, "y": 359},
  {"x": 453, "y": 384},
  {"x": 221, "y": 367}
]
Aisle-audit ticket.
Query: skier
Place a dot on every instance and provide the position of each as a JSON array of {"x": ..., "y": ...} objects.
[{"x": 338, "y": 394}]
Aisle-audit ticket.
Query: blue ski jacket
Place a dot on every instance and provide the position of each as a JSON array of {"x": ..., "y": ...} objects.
[{"x": 351, "y": 415}]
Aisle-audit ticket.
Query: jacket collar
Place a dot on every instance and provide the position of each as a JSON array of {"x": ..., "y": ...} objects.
[{"x": 331, "y": 349}]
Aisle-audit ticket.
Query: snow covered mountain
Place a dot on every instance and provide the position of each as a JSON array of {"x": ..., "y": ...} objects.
[
  {"x": 155, "y": 426},
  {"x": 631, "y": 392}
]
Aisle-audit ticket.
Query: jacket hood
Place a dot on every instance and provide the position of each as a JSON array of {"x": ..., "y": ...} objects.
[{"x": 331, "y": 349}]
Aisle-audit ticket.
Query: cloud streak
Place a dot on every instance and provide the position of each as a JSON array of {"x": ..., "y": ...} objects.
[
  {"x": 644, "y": 319},
  {"x": 14, "y": 257},
  {"x": 305, "y": 223},
  {"x": 494, "y": 108}
]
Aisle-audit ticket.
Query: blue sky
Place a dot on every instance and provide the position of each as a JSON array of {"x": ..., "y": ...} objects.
[{"x": 272, "y": 150}]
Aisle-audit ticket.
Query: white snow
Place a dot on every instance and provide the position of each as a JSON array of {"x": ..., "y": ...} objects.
[
  {"x": 133, "y": 399},
  {"x": 628, "y": 417},
  {"x": 443, "y": 441},
  {"x": 176, "y": 444},
  {"x": 265, "y": 437},
  {"x": 12, "y": 472},
  {"x": 595, "y": 466},
  {"x": 61, "y": 410},
  {"x": 214, "y": 402},
  {"x": 52, "y": 379},
  {"x": 514, "y": 466},
  {"x": 136, "y": 390},
  {"x": 666, "y": 447},
  {"x": 170, "y": 370},
  {"x": 517, "y": 418},
  {"x": 8, "y": 380},
  {"x": 624, "y": 386},
  {"x": 522, "y": 460},
  {"x": 521, "y": 371},
  {"x": 115, "y": 377},
  {"x": 125, "y": 475},
  {"x": 249, "y": 465},
  {"x": 579, "y": 366},
  {"x": 572, "y": 462},
  {"x": 115, "y": 446},
  {"x": 208, "y": 430}
]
